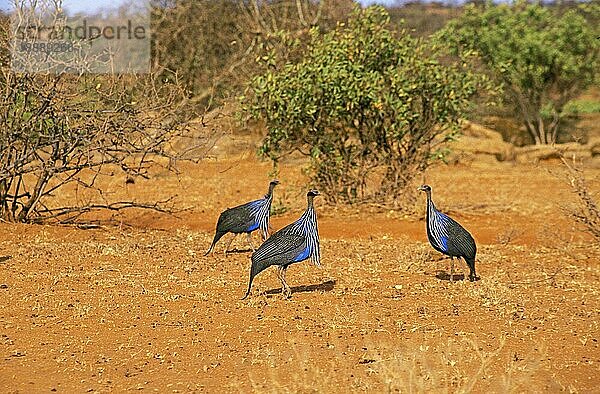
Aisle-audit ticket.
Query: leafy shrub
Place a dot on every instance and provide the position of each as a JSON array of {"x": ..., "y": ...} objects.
[
  {"x": 576, "y": 107},
  {"x": 543, "y": 59},
  {"x": 365, "y": 105}
]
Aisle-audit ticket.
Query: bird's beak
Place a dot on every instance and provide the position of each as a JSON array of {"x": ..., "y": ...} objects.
[{"x": 421, "y": 189}]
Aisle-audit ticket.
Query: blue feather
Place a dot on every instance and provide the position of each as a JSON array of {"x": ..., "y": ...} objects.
[
  {"x": 253, "y": 227},
  {"x": 303, "y": 255},
  {"x": 256, "y": 203},
  {"x": 444, "y": 243},
  {"x": 442, "y": 217}
]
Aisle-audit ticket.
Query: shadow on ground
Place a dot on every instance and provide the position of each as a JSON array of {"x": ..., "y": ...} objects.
[
  {"x": 443, "y": 275},
  {"x": 328, "y": 285},
  {"x": 238, "y": 251}
]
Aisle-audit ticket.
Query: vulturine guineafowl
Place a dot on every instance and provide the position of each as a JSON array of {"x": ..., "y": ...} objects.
[
  {"x": 295, "y": 242},
  {"x": 449, "y": 237},
  {"x": 246, "y": 218}
]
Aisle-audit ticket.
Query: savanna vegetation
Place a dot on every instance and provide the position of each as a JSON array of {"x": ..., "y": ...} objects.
[
  {"x": 369, "y": 106},
  {"x": 367, "y": 95},
  {"x": 125, "y": 176},
  {"x": 541, "y": 58}
]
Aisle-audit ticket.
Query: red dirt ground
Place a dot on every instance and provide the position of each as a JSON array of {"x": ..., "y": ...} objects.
[{"x": 137, "y": 306}]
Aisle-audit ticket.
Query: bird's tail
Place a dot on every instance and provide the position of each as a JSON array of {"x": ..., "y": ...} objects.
[
  {"x": 249, "y": 287},
  {"x": 257, "y": 267},
  {"x": 471, "y": 264},
  {"x": 216, "y": 239}
]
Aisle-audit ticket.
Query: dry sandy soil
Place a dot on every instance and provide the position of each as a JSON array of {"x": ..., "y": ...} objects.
[{"x": 136, "y": 305}]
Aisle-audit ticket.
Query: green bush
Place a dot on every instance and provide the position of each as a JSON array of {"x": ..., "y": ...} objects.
[
  {"x": 364, "y": 104},
  {"x": 581, "y": 106},
  {"x": 542, "y": 59}
]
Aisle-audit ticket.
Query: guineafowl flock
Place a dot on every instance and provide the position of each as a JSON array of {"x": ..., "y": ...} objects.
[{"x": 299, "y": 241}]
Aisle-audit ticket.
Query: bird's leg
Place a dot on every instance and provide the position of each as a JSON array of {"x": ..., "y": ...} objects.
[
  {"x": 451, "y": 269},
  {"x": 279, "y": 268},
  {"x": 472, "y": 276},
  {"x": 249, "y": 237},
  {"x": 229, "y": 244},
  {"x": 285, "y": 289}
]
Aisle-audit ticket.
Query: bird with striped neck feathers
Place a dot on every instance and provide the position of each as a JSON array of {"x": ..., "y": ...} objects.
[
  {"x": 245, "y": 218},
  {"x": 294, "y": 243},
  {"x": 448, "y": 237}
]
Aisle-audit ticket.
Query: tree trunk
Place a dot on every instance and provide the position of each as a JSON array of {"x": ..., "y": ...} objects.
[
  {"x": 38, "y": 191},
  {"x": 541, "y": 132}
]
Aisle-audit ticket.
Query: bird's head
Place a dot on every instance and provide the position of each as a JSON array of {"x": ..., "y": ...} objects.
[
  {"x": 424, "y": 188},
  {"x": 272, "y": 185},
  {"x": 312, "y": 193}
]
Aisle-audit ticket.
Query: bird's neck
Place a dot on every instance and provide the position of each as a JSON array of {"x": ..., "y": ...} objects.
[
  {"x": 269, "y": 194},
  {"x": 310, "y": 210},
  {"x": 430, "y": 205}
]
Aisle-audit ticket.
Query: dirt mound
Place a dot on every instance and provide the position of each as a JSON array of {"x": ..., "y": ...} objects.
[
  {"x": 537, "y": 153},
  {"x": 594, "y": 145},
  {"x": 480, "y": 143}
]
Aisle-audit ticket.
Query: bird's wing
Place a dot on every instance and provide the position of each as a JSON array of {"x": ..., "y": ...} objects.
[
  {"x": 460, "y": 241},
  {"x": 238, "y": 219},
  {"x": 281, "y": 248}
]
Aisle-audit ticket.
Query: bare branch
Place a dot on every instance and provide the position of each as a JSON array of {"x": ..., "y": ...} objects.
[
  {"x": 585, "y": 210},
  {"x": 70, "y": 129}
]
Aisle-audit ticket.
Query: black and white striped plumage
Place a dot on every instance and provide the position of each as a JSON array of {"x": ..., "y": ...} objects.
[
  {"x": 246, "y": 218},
  {"x": 296, "y": 242},
  {"x": 448, "y": 237}
]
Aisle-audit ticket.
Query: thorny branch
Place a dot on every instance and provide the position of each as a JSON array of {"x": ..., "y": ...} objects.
[{"x": 69, "y": 129}]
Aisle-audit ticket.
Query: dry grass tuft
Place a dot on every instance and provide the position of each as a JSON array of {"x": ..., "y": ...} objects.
[{"x": 585, "y": 210}]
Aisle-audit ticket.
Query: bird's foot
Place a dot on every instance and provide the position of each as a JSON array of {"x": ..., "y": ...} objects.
[
  {"x": 287, "y": 292},
  {"x": 285, "y": 289}
]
